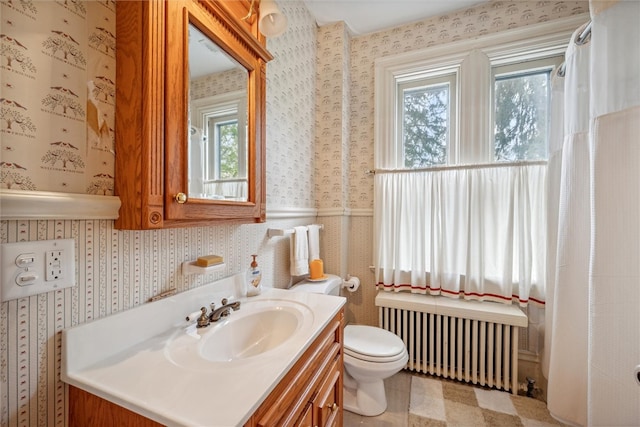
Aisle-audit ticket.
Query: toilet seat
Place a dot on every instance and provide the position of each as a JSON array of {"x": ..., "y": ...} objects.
[{"x": 372, "y": 344}]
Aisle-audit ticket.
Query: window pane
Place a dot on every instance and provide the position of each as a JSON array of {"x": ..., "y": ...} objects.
[
  {"x": 228, "y": 146},
  {"x": 522, "y": 116},
  {"x": 425, "y": 126}
]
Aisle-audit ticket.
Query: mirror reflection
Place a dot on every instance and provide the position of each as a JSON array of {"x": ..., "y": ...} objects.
[{"x": 218, "y": 152}]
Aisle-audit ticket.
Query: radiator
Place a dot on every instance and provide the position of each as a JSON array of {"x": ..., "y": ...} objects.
[{"x": 470, "y": 341}]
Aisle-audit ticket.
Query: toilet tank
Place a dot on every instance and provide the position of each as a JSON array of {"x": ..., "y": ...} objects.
[{"x": 330, "y": 286}]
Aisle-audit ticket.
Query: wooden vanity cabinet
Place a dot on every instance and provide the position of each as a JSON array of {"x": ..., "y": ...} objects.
[
  {"x": 86, "y": 409},
  {"x": 310, "y": 395}
]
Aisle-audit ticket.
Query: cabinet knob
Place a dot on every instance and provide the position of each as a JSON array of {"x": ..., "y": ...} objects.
[
  {"x": 333, "y": 406},
  {"x": 181, "y": 198}
]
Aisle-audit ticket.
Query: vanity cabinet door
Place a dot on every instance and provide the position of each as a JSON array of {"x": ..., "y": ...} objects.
[
  {"x": 327, "y": 404},
  {"x": 306, "y": 419}
]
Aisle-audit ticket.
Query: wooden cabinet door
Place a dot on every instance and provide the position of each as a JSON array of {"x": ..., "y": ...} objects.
[
  {"x": 327, "y": 404},
  {"x": 306, "y": 419}
]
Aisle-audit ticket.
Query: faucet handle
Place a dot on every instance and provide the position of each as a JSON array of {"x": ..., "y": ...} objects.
[
  {"x": 234, "y": 304},
  {"x": 232, "y": 301},
  {"x": 194, "y": 316},
  {"x": 203, "y": 320}
]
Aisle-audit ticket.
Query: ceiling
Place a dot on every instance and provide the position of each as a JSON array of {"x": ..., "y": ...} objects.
[
  {"x": 209, "y": 57},
  {"x": 367, "y": 16}
]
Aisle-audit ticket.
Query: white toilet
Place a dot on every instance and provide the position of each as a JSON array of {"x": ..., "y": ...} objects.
[{"x": 370, "y": 355}]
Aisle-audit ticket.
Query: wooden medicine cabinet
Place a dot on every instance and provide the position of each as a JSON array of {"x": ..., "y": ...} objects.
[{"x": 190, "y": 113}]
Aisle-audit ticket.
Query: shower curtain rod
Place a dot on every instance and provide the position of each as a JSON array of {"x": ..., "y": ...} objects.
[
  {"x": 583, "y": 38},
  {"x": 585, "y": 35}
]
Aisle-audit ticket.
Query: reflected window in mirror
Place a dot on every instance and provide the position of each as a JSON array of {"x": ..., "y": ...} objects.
[
  {"x": 218, "y": 144},
  {"x": 222, "y": 148}
]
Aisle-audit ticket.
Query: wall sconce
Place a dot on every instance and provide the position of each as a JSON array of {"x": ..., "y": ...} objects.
[{"x": 271, "y": 21}]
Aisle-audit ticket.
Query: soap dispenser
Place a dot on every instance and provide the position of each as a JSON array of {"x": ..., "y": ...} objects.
[{"x": 254, "y": 277}]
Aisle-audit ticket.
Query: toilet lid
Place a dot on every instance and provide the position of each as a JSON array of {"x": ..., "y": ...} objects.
[{"x": 373, "y": 344}]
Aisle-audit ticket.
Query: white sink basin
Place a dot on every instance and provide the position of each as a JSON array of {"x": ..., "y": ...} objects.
[
  {"x": 246, "y": 336},
  {"x": 256, "y": 329}
]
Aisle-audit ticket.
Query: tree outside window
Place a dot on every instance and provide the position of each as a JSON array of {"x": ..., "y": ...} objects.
[
  {"x": 521, "y": 116},
  {"x": 426, "y": 126},
  {"x": 228, "y": 149}
]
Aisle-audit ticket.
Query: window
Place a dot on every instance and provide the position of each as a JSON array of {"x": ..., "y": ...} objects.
[
  {"x": 218, "y": 156},
  {"x": 518, "y": 102},
  {"x": 471, "y": 102},
  {"x": 427, "y": 109},
  {"x": 222, "y": 149},
  {"x": 522, "y": 94}
]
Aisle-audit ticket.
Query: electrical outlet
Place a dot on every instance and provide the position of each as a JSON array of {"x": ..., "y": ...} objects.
[
  {"x": 30, "y": 268},
  {"x": 54, "y": 261}
]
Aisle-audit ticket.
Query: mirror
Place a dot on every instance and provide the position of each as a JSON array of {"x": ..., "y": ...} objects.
[{"x": 217, "y": 125}]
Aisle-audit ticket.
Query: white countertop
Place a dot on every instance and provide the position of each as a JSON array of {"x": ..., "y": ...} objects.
[{"x": 123, "y": 358}]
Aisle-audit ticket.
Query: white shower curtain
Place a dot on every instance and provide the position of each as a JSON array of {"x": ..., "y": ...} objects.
[
  {"x": 554, "y": 168},
  {"x": 593, "y": 318},
  {"x": 567, "y": 387},
  {"x": 614, "y": 327}
]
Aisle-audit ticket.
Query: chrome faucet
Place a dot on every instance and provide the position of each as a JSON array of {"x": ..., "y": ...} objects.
[
  {"x": 203, "y": 319},
  {"x": 225, "y": 310}
]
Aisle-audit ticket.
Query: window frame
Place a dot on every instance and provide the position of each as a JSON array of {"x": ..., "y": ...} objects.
[{"x": 473, "y": 61}]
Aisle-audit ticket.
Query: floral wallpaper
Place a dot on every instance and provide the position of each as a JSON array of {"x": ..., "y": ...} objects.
[
  {"x": 291, "y": 110},
  {"x": 58, "y": 96},
  {"x": 332, "y": 116},
  {"x": 218, "y": 83}
]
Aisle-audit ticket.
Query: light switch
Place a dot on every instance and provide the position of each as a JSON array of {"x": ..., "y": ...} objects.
[
  {"x": 26, "y": 278},
  {"x": 30, "y": 268},
  {"x": 25, "y": 260}
]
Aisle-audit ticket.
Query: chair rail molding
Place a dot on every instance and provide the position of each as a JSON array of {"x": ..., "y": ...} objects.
[
  {"x": 33, "y": 205},
  {"x": 281, "y": 212},
  {"x": 345, "y": 212}
]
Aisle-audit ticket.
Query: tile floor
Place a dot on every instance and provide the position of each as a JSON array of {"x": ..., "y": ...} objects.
[{"x": 415, "y": 400}]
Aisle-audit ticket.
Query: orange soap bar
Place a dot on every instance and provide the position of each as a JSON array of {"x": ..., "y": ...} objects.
[{"x": 208, "y": 260}]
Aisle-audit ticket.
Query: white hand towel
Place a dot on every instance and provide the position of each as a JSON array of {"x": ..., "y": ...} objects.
[
  {"x": 299, "y": 252},
  {"x": 314, "y": 241}
]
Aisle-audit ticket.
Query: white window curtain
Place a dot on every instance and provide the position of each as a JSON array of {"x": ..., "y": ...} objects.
[{"x": 475, "y": 232}]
